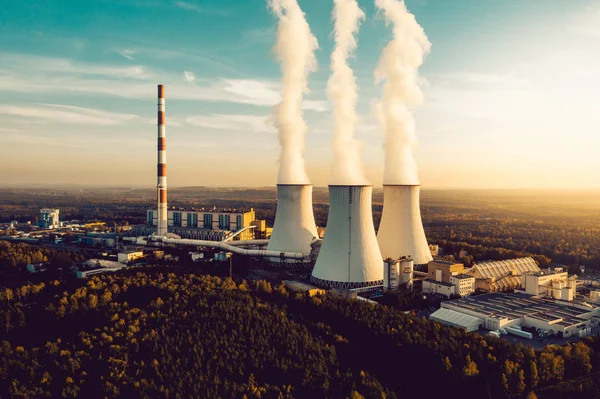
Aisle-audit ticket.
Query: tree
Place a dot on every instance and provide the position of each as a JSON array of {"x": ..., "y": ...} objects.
[
  {"x": 533, "y": 374},
  {"x": 470, "y": 369}
]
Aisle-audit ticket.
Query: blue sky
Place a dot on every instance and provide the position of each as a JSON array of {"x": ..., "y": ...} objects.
[{"x": 512, "y": 92}]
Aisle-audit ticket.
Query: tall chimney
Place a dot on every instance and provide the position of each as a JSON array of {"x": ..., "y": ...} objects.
[{"x": 161, "y": 187}]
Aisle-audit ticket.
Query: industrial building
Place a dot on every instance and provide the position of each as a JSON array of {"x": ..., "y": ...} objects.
[
  {"x": 502, "y": 275},
  {"x": 49, "y": 218},
  {"x": 300, "y": 287},
  {"x": 97, "y": 266},
  {"x": 350, "y": 256},
  {"x": 441, "y": 269},
  {"x": 401, "y": 230},
  {"x": 446, "y": 277},
  {"x": 498, "y": 311},
  {"x": 397, "y": 273},
  {"x": 464, "y": 284},
  {"x": 552, "y": 283},
  {"x": 129, "y": 256},
  {"x": 213, "y": 225}
]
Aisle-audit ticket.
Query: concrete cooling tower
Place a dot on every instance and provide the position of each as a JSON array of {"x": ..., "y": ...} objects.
[
  {"x": 401, "y": 230},
  {"x": 294, "y": 229},
  {"x": 349, "y": 256}
]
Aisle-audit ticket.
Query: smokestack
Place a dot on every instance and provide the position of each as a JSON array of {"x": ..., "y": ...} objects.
[
  {"x": 294, "y": 228},
  {"x": 161, "y": 186},
  {"x": 349, "y": 256},
  {"x": 401, "y": 230}
]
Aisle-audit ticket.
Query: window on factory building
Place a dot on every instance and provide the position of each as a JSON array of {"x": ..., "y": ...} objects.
[
  {"x": 224, "y": 222},
  {"x": 177, "y": 219},
  {"x": 207, "y": 220},
  {"x": 192, "y": 220},
  {"x": 149, "y": 219},
  {"x": 238, "y": 221}
]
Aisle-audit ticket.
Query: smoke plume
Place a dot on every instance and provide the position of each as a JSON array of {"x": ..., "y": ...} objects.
[
  {"x": 398, "y": 67},
  {"x": 294, "y": 48},
  {"x": 341, "y": 88}
]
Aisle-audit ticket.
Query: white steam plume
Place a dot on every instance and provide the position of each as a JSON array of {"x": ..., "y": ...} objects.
[
  {"x": 341, "y": 88},
  {"x": 398, "y": 67},
  {"x": 294, "y": 48}
]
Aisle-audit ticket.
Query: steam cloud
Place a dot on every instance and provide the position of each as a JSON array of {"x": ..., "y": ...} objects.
[
  {"x": 398, "y": 67},
  {"x": 294, "y": 48},
  {"x": 341, "y": 88}
]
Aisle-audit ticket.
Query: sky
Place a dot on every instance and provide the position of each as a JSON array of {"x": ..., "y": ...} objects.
[{"x": 512, "y": 92}]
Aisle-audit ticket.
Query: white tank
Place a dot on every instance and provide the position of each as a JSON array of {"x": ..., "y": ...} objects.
[
  {"x": 401, "y": 230},
  {"x": 295, "y": 227},
  {"x": 349, "y": 256}
]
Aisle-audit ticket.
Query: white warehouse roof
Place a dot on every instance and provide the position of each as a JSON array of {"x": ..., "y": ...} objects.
[{"x": 456, "y": 319}]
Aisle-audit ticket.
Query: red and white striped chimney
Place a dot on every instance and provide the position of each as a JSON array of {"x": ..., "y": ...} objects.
[{"x": 161, "y": 187}]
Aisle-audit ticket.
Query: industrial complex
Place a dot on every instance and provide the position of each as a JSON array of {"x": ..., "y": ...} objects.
[{"x": 506, "y": 297}]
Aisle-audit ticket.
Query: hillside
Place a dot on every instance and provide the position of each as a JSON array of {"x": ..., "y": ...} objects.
[{"x": 154, "y": 333}]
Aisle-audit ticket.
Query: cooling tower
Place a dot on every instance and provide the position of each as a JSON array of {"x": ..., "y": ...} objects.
[
  {"x": 349, "y": 256},
  {"x": 294, "y": 228},
  {"x": 161, "y": 185},
  {"x": 401, "y": 230}
]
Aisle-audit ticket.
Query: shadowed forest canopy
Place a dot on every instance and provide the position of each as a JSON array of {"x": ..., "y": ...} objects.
[{"x": 152, "y": 333}]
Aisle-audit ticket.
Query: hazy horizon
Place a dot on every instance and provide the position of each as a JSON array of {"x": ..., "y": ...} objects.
[{"x": 511, "y": 93}]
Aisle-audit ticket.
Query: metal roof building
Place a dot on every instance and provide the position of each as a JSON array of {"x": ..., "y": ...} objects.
[
  {"x": 502, "y": 275},
  {"x": 500, "y": 310},
  {"x": 456, "y": 319}
]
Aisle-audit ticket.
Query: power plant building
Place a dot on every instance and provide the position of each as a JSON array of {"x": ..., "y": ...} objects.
[
  {"x": 510, "y": 312},
  {"x": 349, "y": 257},
  {"x": 551, "y": 283},
  {"x": 503, "y": 275},
  {"x": 49, "y": 218},
  {"x": 397, "y": 273},
  {"x": 401, "y": 230},
  {"x": 446, "y": 277},
  {"x": 213, "y": 225}
]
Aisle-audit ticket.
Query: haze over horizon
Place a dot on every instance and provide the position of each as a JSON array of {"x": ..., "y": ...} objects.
[{"x": 511, "y": 93}]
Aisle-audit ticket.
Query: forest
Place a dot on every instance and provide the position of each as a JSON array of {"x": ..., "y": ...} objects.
[{"x": 156, "y": 332}]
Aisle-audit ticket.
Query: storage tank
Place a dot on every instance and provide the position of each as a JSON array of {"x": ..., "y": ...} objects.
[{"x": 391, "y": 275}]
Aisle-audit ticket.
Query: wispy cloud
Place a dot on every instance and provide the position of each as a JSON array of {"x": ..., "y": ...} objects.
[
  {"x": 127, "y": 53},
  {"x": 66, "y": 114},
  {"x": 36, "y": 74},
  {"x": 49, "y": 66},
  {"x": 260, "y": 34},
  {"x": 237, "y": 123},
  {"x": 189, "y": 76},
  {"x": 188, "y": 6}
]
